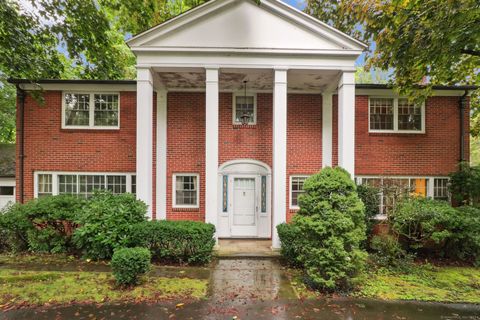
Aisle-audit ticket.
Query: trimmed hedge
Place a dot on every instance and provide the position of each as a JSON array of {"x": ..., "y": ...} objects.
[
  {"x": 130, "y": 263},
  {"x": 291, "y": 243},
  {"x": 188, "y": 242}
]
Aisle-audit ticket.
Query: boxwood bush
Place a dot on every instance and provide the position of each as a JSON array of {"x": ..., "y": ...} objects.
[
  {"x": 331, "y": 225},
  {"x": 128, "y": 264},
  {"x": 106, "y": 223},
  {"x": 291, "y": 240},
  {"x": 176, "y": 241}
]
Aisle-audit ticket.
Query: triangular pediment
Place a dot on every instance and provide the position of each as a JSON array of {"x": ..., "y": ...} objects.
[{"x": 242, "y": 24}]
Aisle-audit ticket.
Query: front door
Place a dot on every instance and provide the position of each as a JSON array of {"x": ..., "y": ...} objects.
[{"x": 244, "y": 218}]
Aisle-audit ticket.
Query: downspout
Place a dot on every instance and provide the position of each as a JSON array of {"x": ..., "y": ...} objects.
[
  {"x": 462, "y": 106},
  {"x": 21, "y": 99}
]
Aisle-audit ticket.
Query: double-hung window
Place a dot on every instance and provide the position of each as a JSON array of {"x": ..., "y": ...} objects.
[
  {"x": 185, "y": 191},
  {"x": 91, "y": 110},
  {"x": 245, "y": 106},
  {"x": 396, "y": 115},
  {"x": 296, "y": 189}
]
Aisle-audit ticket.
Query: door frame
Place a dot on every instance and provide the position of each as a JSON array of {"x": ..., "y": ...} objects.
[{"x": 244, "y": 168}]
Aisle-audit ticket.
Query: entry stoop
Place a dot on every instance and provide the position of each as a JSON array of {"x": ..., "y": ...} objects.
[{"x": 245, "y": 248}]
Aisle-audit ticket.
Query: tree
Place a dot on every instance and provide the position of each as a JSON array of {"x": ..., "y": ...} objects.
[
  {"x": 7, "y": 112},
  {"x": 423, "y": 42}
]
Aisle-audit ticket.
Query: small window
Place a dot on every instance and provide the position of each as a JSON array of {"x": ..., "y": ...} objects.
[
  {"x": 244, "y": 105},
  {"x": 117, "y": 184},
  {"x": 7, "y": 191},
  {"x": 186, "y": 191},
  {"x": 44, "y": 185},
  {"x": 296, "y": 189},
  {"x": 381, "y": 114},
  {"x": 134, "y": 184},
  {"x": 91, "y": 110},
  {"x": 67, "y": 184},
  {"x": 440, "y": 189},
  {"x": 409, "y": 115},
  {"x": 88, "y": 184}
]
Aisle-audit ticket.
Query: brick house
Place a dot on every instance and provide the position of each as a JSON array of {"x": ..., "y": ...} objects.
[{"x": 234, "y": 105}]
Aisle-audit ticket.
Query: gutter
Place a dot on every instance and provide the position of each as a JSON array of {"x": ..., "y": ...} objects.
[
  {"x": 21, "y": 94},
  {"x": 462, "y": 105}
]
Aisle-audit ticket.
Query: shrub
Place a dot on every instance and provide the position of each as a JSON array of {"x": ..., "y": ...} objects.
[
  {"x": 369, "y": 196},
  {"x": 130, "y": 263},
  {"x": 331, "y": 221},
  {"x": 465, "y": 185},
  {"x": 290, "y": 238},
  {"x": 106, "y": 223},
  {"x": 44, "y": 224},
  {"x": 176, "y": 241},
  {"x": 464, "y": 241},
  {"x": 387, "y": 252},
  {"x": 424, "y": 223},
  {"x": 14, "y": 229}
]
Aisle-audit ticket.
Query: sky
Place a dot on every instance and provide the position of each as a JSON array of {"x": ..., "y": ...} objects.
[{"x": 300, "y": 4}]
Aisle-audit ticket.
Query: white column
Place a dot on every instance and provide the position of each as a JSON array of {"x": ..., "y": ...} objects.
[
  {"x": 144, "y": 136},
  {"x": 211, "y": 145},
  {"x": 346, "y": 122},
  {"x": 279, "y": 201},
  {"x": 161, "y": 154},
  {"x": 327, "y": 129}
]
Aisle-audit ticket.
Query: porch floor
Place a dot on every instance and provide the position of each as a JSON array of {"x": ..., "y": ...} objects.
[{"x": 245, "y": 248}]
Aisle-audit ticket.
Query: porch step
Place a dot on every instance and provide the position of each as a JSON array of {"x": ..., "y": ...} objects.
[{"x": 245, "y": 248}]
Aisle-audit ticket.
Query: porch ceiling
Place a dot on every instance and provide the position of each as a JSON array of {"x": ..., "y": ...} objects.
[{"x": 261, "y": 80}]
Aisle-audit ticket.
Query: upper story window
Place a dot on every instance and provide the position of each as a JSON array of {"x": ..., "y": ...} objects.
[
  {"x": 396, "y": 115},
  {"x": 245, "y": 105},
  {"x": 91, "y": 110}
]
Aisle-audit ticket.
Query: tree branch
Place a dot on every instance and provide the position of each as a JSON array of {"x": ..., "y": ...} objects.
[{"x": 471, "y": 52}]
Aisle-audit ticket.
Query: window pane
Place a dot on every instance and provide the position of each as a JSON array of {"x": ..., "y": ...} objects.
[
  {"x": 134, "y": 184},
  {"x": 440, "y": 189},
  {"x": 186, "y": 190},
  {"x": 381, "y": 114},
  {"x": 297, "y": 189},
  {"x": 409, "y": 115},
  {"x": 117, "y": 184},
  {"x": 7, "y": 191},
  {"x": 77, "y": 108},
  {"x": 245, "y": 105},
  {"x": 225, "y": 193},
  {"x": 106, "y": 110},
  {"x": 44, "y": 185},
  {"x": 67, "y": 184},
  {"x": 88, "y": 184}
]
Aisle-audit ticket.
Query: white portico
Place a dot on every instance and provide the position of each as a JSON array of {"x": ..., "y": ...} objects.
[{"x": 215, "y": 48}]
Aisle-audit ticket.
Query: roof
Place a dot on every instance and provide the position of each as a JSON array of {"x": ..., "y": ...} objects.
[
  {"x": 7, "y": 160},
  {"x": 133, "y": 82}
]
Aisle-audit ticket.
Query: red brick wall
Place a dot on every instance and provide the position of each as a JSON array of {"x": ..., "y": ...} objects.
[
  {"x": 436, "y": 152},
  {"x": 186, "y": 147},
  {"x": 304, "y": 138},
  {"x": 48, "y": 147}
]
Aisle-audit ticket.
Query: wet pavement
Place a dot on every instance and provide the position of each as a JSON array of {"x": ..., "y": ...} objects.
[{"x": 254, "y": 289}]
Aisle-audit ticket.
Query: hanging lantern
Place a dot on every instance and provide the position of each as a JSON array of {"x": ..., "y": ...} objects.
[{"x": 245, "y": 117}]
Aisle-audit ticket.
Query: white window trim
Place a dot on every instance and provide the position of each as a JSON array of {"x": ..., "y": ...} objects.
[
  {"x": 174, "y": 189},
  {"x": 395, "y": 117},
  {"x": 55, "y": 175},
  {"x": 429, "y": 192},
  {"x": 91, "y": 118},
  {"x": 234, "y": 107},
  {"x": 291, "y": 206}
]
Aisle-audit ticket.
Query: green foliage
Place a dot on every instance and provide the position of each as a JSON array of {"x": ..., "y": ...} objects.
[
  {"x": 475, "y": 149},
  {"x": 7, "y": 112},
  {"x": 176, "y": 241},
  {"x": 464, "y": 242},
  {"x": 130, "y": 263},
  {"x": 465, "y": 184},
  {"x": 42, "y": 225},
  {"x": 331, "y": 221},
  {"x": 106, "y": 223},
  {"x": 290, "y": 238},
  {"x": 369, "y": 196},
  {"x": 387, "y": 252},
  {"x": 14, "y": 229},
  {"x": 423, "y": 222}
]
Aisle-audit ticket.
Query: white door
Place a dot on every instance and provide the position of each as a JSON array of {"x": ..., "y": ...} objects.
[
  {"x": 7, "y": 196},
  {"x": 244, "y": 216}
]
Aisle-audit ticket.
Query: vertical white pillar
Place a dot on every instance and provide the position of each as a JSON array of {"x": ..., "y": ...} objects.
[
  {"x": 346, "y": 122},
  {"x": 144, "y": 136},
  {"x": 327, "y": 129},
  {"x": 211, "y": 145},
  {"x": 161, "y": 154},
  {"x": 279, "y": 201}
]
